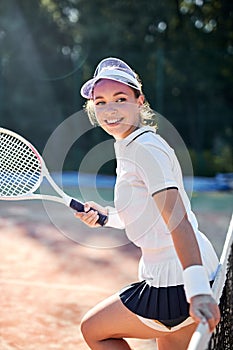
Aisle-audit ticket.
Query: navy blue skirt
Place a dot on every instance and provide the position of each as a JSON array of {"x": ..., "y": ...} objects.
[{"x": 167, "y": 305}]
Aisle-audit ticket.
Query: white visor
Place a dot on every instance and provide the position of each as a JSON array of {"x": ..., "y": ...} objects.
[{"x": 112, "y": 69}]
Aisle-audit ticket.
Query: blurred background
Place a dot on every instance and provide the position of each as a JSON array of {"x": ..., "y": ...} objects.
[{"x": 182, "y": 50}]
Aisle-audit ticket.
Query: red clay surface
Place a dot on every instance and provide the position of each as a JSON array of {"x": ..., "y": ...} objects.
[{"x": 48, "y": 282}]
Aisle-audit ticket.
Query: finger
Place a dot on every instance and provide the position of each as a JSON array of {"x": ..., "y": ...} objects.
[
  {"x": 213, "y": 320},
  {"x": 87, "y": 207},
  {"x": 90, "y": 204},
  {"x": 91, "y": 217},
  {"x": 205, "y": 316},
  {"x": 82, "y": 217},
  {"x": 198, "y": 316},
  {"x": 79, "y": 215},
  {"x": 211, "y": 323}
]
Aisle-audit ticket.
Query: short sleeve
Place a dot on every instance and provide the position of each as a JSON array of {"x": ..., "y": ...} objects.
[{"x": 154, "y": 166}]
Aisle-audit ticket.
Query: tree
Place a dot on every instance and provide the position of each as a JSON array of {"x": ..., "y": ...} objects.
[{"x": 181, "y": 49}]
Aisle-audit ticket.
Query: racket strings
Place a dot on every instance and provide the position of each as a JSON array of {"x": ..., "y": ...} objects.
[{"x": 20, "y": 167}]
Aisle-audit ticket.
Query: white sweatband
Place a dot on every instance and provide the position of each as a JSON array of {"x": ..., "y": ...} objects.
[
  {"x": 114, "y": 219},
  {"x": 196, "y": 281}
]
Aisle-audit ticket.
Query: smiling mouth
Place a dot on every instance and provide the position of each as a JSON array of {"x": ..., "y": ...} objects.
[{"x": 114, "y": 121}]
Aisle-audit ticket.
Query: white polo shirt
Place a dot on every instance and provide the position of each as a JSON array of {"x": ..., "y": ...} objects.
[{"x": 146, "y": 164}]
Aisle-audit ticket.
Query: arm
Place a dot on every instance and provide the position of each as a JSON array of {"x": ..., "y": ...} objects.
[{"x": 174, "y": 214}]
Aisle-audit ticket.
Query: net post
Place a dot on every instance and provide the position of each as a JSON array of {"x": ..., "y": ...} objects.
[{"x": 202, "y": 338}]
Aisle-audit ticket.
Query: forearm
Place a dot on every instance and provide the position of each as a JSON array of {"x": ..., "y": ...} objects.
[
  {"x": 114, "y": 219},
  {"x": 196, "y": 281}
]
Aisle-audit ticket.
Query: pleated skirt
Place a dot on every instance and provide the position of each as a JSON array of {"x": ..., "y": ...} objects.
[
  {"x": 159, "y": 296},
  {"x": 167, "y": 305}
]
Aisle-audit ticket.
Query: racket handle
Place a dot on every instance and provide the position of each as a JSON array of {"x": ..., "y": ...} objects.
[{"x": 78, "y": 206}]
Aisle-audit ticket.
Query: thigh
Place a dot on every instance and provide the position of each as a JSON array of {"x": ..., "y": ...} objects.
[
  {"x": 111, "y": 319},
  {"x": 177, "y": 340}
]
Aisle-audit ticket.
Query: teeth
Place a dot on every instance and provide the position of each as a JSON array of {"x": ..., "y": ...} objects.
[{"x": 112, "y": 121}]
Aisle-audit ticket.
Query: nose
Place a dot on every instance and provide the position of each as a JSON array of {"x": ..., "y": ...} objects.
[{"x": 110, "y": 109}]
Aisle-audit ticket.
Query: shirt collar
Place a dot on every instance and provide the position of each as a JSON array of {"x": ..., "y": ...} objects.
[{"x": 135, "y": 134}]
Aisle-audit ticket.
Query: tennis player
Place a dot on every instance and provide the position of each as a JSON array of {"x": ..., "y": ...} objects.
[{"x": 178, "y": 263}]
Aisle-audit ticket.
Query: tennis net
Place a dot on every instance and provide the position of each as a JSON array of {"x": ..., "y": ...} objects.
[{"x": 222, "y": 337}]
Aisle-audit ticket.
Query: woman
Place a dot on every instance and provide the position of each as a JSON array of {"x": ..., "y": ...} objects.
[{"x": 178, "y": 262}]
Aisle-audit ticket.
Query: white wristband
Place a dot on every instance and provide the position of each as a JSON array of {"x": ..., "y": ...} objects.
[
  {"x": 114, "y": 219},
  {"x": 196, "y": 281}
]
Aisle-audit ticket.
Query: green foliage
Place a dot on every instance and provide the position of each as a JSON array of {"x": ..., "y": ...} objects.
[
  {"x": 207, "y": 163},
  {"x": 182, "y": 50}
]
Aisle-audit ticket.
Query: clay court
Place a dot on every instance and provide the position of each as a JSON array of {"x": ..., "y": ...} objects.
[{"x": 48, "y": 281}]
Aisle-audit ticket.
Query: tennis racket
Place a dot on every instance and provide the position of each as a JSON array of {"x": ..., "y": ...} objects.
[{"x": 22, "y": 170}]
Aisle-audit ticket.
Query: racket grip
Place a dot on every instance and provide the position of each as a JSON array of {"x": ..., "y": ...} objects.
[{"x": 78, "y": 206}]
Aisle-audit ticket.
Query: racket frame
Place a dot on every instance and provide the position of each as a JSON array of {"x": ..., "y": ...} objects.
[{"x": 44, "y": 173}]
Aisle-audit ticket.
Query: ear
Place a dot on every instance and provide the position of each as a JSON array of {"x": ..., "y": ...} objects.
[{"x": 141, "y": 100}]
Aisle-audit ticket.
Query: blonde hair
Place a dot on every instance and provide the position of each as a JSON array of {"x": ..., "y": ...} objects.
[{"x": 146, "y": 113}]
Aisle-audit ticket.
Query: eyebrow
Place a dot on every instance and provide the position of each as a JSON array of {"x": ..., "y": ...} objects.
[{"x": 114, "y": 95}]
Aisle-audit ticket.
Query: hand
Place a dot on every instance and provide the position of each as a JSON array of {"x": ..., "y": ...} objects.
[
  {"x": 203, "y": 308},
  {"x": 90, "y": 217}
]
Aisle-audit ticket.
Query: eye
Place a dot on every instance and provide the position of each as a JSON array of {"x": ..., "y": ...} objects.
[
  {"x": 121, "y": 99},
  {"x": 99, "y": 103}
]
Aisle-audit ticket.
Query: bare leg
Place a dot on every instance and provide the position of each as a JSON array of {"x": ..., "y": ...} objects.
[
  {"x": 105, "y": 326},
  {"x": 178, "y": 340}
]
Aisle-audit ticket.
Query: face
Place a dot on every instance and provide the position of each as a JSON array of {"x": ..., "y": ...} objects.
[{"x": 116, "y": 108}]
